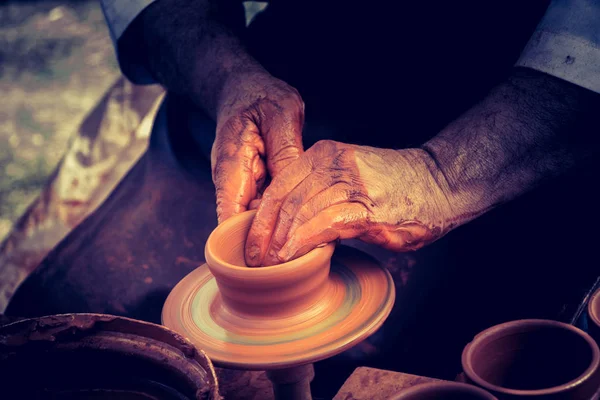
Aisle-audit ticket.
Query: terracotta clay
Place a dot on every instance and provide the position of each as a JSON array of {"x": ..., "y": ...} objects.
[
  {"x": 85, "y": 356},
  {"x": 273, "y": 293},
  {"x": 444, "y": 391},
  {"x": 539, "y": 359},
  {"x": 279, "y": 316},
  {"x": 594, "y": 316}
]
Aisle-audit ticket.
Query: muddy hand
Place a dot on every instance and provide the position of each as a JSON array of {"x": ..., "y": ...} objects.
[
  {"x": 190, "y": 47},
  {"x": 393, "y": 198},
  {"x": 259, "y": 132}
]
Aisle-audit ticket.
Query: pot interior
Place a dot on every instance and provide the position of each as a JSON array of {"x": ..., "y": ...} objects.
[
  {"x": 532, "y": 358},
  {"x": 228, "y": 240},
  {"x": 85, "y": 373}
]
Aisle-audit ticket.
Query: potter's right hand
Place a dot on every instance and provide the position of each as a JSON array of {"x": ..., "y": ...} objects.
[
  {"x": 259, "y": 131},
  {"x": 191, "y": 48}
]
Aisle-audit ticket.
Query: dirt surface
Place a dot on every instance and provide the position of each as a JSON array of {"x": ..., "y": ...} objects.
[{"x": 56, "y": 62}]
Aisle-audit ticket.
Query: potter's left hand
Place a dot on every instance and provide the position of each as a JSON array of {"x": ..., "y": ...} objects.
[
  {"x": 527, "y": 130},
  {"x": 392, "y": 198}
]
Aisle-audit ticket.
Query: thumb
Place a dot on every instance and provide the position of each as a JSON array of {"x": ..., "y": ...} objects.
[{"x": 238, "y": 174}]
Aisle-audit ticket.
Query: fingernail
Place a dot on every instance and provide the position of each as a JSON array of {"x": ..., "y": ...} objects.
[
  {"x": 284, "y": 254},
  {"x": 273, "y": 258},
  {"x": 288, "y": 251},
  {"x": 253, "y": 252}
]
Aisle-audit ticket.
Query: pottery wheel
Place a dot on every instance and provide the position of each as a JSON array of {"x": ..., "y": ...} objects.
[{"x": 359, "y": 298}]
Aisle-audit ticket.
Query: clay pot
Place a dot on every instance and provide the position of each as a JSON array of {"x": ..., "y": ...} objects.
[
  {"x": 271, "y": 292},
  {"x": 95, "y": 356},
  {"x": 593, "y": 309},
  {"x": 444, "y": 391},
  {"x": 280, "y": 316},
  {"x": 538, "y": 359}
]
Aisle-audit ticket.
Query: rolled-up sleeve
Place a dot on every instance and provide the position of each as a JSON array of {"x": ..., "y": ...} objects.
[
  {"x": 119, "y": 14},
  {"x": 566, "y": 43}
]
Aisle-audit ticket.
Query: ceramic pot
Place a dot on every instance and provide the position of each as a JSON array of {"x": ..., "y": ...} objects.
[
  {"x": 593, "y": 309},
  {"x": 270, "y": 292},
  {"x": 444, "y": 391},
  {"x": 95, "y": 356},
  {"x": 539, "y": 359},
  {"x": 280, "y": 316}
]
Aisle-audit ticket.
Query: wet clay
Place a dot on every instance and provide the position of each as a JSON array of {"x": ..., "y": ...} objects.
[{"x": 280, "y": 316}]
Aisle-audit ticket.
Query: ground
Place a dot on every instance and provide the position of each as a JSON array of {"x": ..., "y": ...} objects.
[{"x": 56, "y": 62}]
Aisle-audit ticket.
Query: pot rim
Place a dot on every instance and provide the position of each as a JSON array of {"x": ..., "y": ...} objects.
[
  {"x": 316, "y": 257},
  {"x": 523, "y": 323},
  {"x": 424, "y": 386},
  {"x": 593, "y": 315},
  {"x": 180, "y": 355}
]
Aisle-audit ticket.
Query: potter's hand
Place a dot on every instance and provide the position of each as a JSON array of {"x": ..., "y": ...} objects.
[
  {"x": 191, "y": 48},
  {"x": 259, "y": 130},
  {"x": 393, "y": 198},
  {"x": 528, "y": 129}
]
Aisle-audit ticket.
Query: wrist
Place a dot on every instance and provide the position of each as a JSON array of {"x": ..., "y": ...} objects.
[
  {"x": 529, "y": 129},
  {"x": 191, "y": 51},
  {"x": 249, "y": 87},
  {"x": 211, "y": 83},
  {"x": 432, "y": 197}
]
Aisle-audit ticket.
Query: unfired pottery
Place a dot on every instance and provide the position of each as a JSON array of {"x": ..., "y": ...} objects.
[
  {"x": 279, "y": 316},
  {"x": 444, "y": 391},
  {"x": 539, "y": 359},
  {"x": 594, "y": 316},
  {"x": 96, "y": 356}
]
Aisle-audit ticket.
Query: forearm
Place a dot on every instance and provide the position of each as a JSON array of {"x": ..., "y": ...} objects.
[
  {"x": 529, "y": 129},
  {"x": 191, "y": 48}
]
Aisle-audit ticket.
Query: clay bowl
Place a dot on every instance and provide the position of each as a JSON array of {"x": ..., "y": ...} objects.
[
  {"x": 594, "y": 316},
  {"x": 95, "y": 356},
  {"x": 444, "y": 391},
  {"x": 279, "y": 316},
  {"x": 273, "y": 292},
  {"x": 539, "y": 359}
]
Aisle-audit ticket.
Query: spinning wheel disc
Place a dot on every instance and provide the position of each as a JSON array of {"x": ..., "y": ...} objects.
[{"x": 359, "y": 297}]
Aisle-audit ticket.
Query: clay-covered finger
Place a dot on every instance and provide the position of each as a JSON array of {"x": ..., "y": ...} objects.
[
  {"x": 236, "y": 186},
  {"x": 300, "y": 195},
  {"x": 342, "y": 221},
  {"x": 281, "y": 128},
  {"x": 261, "y": 231},
  {"x": 238, "y": 172},
  {"x": 334, "y": 195}
]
